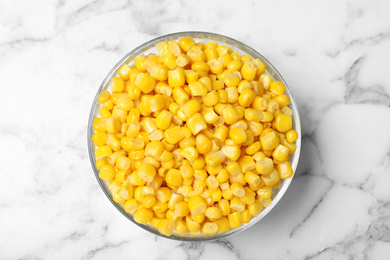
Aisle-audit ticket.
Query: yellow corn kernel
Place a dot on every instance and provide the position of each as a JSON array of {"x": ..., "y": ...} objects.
[
  {"x": 182, "y": 60},
  {"x": 180, "y": 227},
  {"x": 174, "y": 178},
  {"x": 99, "y": 138},
  {"x": 215, "y": 159},
  {"x": 169, "y": 60},
  {"x": 186, "y": 43},
  {"x": 166, "y": 226},
  {"x": 180, "y": 96},
  {"x": 216, "y": 66},
  {"x": 99, "y": 124},
  {"x": 260, "y": 103},
  {"x": 222, "y": 176},
  {"x": 210, "y": 228},
  {"x": 234, "y": 65},
  {"x": 265, "y": 166},
  {"x": 191, "y": 76},
  {"x": 255, "y": 208},
  {"x": 250, "y": 138},
  {"x": 219, "y": 86},
  {"x": 174, "y": 48},
  {"x": 104, "y": 96},
  {"x": 227, "y": 194},
  {"x": 246, "y": 98},
  {"x": 149, "y": 201},
  {"x": 246, "y": 216},
  {"x": 200, "y": 174},
  {"x": 155, "y": 221},
  {"x": 192, "y": 226},
  {"x": 163, "y": 194},
  {"x": 173, "y": 135},
  {"x": 277, "y": 87},
  {"x": 131, "y": 206},
  {"x": 232, "y": 152},
  {"x": 283, "y": 122},
  {"x": 197, "y": 89},
  {"x": 266, "y": 80},
  {"x": 253, "y": 148},
  {"x": 176, "y": 78},
  {"x": 145, "y": 82},
  {"x": 162, "y": 48},
  {"x": 196, "y": 55},
  {"x": 252, "y": 179},
  {"x": 221, "y": 133},
  {"x": 281, "y": 153},
  {"x": 174, "y": 199},
  {"x": 135, "y": 180},
  {"x": 181, "y": 209},
  {"x": 133, "y": 129},
  {"x": 248, "y": 70},
  {"x": 271, "y": 179},
  {"x": 199, "y": 163},
  {"x": 211, "y": 98},
  {"x": 237, "y": 189},
  {"x": 232, "y": 94},
  {"x": 235, "y": 220},
  {"x": 190, "y": 108},
  {"x": 203, "y": 66},
  {"x": 283, "y": 100},
  {"x": 223, "y": 224},
  {"x": 230, "y": 115},
  {"x": 143, "y": 215},
  {"x": 196, "y": 205},
  {"x": 255, "y": 127},
  {"x": 252, "y": 114},
  {"x": 264, "y": 192},
  {"x": 104, "y": 113},
  {"x": 238, "y": 135},
  {"x": 246, "y": 163},
  {"x": 139, "y": 62},
  {"x": 100, "y": 163},
  {"x": 163, "y": 120},
  {"x": 107, "y": 172},
  {"x": 236, "y": 204},
  {"x": 249, "y": 197},
  {"x": 210, "y": 116},
  {"x": 109, "y": 105},
  {"x": 123, "y": 162},
  {"x": 213, "y": 213},
  {"x": 190, "y": 153},
  {"x": 292, "y": 136},
  {"x": 147, "y": 172},
  {"x": 285, "y": 170},
  {"x": 260, "y": 66},
  {"x": 134, "y": 115},
  {"x": 196, "y": 123},
  {"x": 231, "y": 80},
  {"x": 117, "y": 84},
  {"x": 210, "y": 53},
  {"x": 103, "y": 151},
  {"x": 203, "y": 144},
  {"x": 269, "y": 140},
  {"x": 154, "y": 149},
  {"x": 159, "y": 72}
]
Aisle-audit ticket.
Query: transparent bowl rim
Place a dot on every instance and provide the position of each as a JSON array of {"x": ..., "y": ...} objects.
[{"x": 221, "y": 39}]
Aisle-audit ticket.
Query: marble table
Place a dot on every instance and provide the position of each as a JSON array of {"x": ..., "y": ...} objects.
[{"x": 335, "y": 56}]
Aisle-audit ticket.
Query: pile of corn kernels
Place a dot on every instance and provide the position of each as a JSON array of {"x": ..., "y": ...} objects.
[{"x": 194, "y": 139}]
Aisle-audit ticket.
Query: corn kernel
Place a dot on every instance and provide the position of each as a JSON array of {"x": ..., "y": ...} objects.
[
  {"x": 143, "y": 215},
  {"x": 107, "y": 172},
  {"x": 269, "y": 140},
  {"x": 285, "y": 170},
  {"x": 235, "y": 220},
  {"x": 230, "y": 115},
  {"x": 232, "y": 152},
  {"x": 238, "y": 135},
  {"x": 147, "y": 172},
  {"x": 196, "y": 205},
  {"x": 196, "y": 123}
]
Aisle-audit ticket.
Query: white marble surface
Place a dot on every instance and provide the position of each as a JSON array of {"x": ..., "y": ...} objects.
[{"x": 335, "y": 56}]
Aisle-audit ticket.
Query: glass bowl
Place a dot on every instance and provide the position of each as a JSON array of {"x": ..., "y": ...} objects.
[{"x": 241, "y": 48}]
